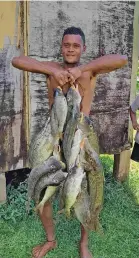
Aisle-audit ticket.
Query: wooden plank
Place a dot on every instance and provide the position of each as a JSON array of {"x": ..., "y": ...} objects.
[
  {"x": 12, "y": 130},
  {"x": 121, "y": 165}
]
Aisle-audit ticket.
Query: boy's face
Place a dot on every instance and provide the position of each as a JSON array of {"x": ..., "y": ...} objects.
[{"x": 72, "y": 48}]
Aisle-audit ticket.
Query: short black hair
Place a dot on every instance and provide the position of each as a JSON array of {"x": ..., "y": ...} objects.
[{"x": 74, "y": 31}]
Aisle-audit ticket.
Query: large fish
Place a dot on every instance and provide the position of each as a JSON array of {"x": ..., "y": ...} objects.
[
  {"x": 51, "y": 179},
  {"x": 72, "y": 187},
  {"x": 41, "y": 146},
  {"x": 49, "y": 166}
]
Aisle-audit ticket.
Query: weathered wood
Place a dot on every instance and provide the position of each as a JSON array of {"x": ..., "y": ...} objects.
[
  {"x": 13, "y": 144},
  {"x": 108, "y": 27},
  {"x": 121, "y": 165}
]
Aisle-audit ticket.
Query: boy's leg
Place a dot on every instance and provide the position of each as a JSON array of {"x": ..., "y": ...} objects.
[
  {"x": 48, "y": 224},
  {"x": 84, "y": 251}
]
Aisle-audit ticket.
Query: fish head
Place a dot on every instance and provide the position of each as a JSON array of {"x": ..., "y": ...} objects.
[
  {"x": 69, "y": 97},
  {"x": 76, "y": 95},
  {"x": 59, "y": 177},
  {"x": 58, "y": 92},
  {"x": 54, "y": 164}
]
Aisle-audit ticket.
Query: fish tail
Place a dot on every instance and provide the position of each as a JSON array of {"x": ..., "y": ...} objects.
[
  {"x": 67, "y": 213},
  {"x": 39, "y": 207}
]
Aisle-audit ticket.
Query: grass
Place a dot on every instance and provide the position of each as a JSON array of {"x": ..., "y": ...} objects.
[{"x": 119, "y": 218}]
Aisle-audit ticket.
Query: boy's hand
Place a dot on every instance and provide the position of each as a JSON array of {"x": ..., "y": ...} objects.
[
  {"x": 63, "y": 77},
  {"x": 75, "y": 72},
  {"x": 136, "y": 126}
]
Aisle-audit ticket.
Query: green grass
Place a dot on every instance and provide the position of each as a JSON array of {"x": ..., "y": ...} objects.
[{"x": 119, "y": 218}]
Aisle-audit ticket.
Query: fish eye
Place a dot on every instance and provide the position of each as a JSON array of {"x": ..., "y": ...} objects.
[{"x": 52, "y": 167}]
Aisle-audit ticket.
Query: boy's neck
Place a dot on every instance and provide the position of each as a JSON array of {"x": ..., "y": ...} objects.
[{"x": 66, "y": 65}]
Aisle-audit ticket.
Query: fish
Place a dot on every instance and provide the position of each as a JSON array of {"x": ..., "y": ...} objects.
[
  {"x": 72, "y": 187},
  {"x": 87, "y": 127},
  {"x": 53, "y": 179},
  {"x": 68, "y": 137},
  {"x": 49, "y": 192},
  {"x": 69, "y": 99},
  {"x": 82, "y": 206},
  {"x": 54, "y": 122},
  {"x": 75, "y": 149},
  {"x": 73, "y": 100},
  {"x": 93, "y": 157},
  {"x": 41, "y": 146},
  {"x": 49, "y": 166},
  {"x": 60, "y": 109}
]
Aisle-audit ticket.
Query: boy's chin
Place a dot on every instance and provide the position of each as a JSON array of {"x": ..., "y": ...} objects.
[{"x": 71, "y": 62}]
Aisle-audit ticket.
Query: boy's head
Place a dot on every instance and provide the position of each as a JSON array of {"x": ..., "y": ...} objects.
[{"x": 73, "y": 45}]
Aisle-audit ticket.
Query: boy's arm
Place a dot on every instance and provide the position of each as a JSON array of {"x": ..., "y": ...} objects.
[
  {"x": 134, "y": 120},
  {"x": 29, "y": 64},
  {"x": 100, "y": 65},
  {"x": 105, "y": 64},
  {"x": 133, "y": 108}
]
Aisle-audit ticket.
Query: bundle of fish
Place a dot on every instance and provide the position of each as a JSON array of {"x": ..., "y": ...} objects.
[{"x": 63, "y": 156}]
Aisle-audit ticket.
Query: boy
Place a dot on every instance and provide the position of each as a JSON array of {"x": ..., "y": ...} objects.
[
  {"x": 133, "y": 108},
  {"x": 65, "y": 74}
]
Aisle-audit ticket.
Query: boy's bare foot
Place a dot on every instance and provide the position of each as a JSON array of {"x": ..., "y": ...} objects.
[
  {"x": 84, "y": 252},
  {"x": 41, "y": 250}
]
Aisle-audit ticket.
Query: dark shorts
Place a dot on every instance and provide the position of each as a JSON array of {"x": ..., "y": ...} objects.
[{"x": 135, "y": 152}]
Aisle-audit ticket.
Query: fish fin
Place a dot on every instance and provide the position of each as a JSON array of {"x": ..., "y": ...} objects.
[
  {"x": 82, "y": 143},
  {"x": 81, "y": 117},
  {"x": 39, "y": 207},
  {"x": 63, "y": 165}
]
